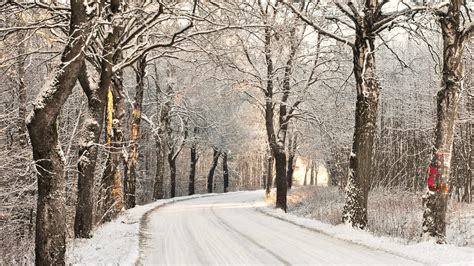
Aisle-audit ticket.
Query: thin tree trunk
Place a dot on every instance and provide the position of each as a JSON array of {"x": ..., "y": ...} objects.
[
  {"x": 172, "y": 165},
  {"x": 210, "y": 176},
  {"x": 21, "y": 123},
  {"x": 311, "y": 182},
  {"x": 315, "y": 172},
  {"x": 225, "y": 172},
  {"x": 269, "y": 183},
  {"x": 292, "y": 144},
  {"x": 42, "y": 127},
  {"x": 436, "y": 199},
  {"x": 468, "y": 184},
  {"x": 263, "y": 167},
  {"x": 469, "y": 83},
  {"x": 162, "y": 111},
  {"x": 307, "y": 169},
  {"x": 130, "y": 167},
  {"x": 159, "y": 174},
  {"x": 192, "y": 171}
]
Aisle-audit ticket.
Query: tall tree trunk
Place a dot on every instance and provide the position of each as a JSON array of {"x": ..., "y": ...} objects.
[
  {"x": 192, "y": 170},
  {"x": 269, "y": 182},
  {"x": 225, "y": 172},
  {"x": 92, "y": 129},
  {"x": 277, "y": 143},
  {"x": 210, "y": 176},
  {"x": 162, "y": 111},
  {"x": 111, "y": 183},
  {"x": 42, "y": 127},
  {"x": 92, "y": 123},
  {"x": 264, "y": 169},
  {"x": 130, "y": 167},
  {"x": 360, "y": 163},
  {"x": 21, "y": 123},
  {"x": 468, "y": 184},
  {"x": 436, "y": 199}
]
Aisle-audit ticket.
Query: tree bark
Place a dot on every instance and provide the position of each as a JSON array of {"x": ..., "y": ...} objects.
[
  {"x": 269, "y": 182},
  {"x": 210, "y": 176},
  {"x": 42, "y": 127},
  {"x": 468, "y": 184},
  {"x": 130, "y": 167},
  {"x": 292, "y": 144},
  {"x": 159, "y": 174},
  {"x": 277, "y": 143},
  {"x": 436, "y": 200},
  {"x": 21, "y": 123},
  {"x": 225, "y": 172},
  {"x": 281, "y": 183},
  {"x": 92, "y": 129},
  {"x": 162, "y": 111},
  {"x": 111, "y": 183},
  {"x": 172, "y": 165},
  {"x": 192, "y": 171},
  {"x": 368, "y": 90}
]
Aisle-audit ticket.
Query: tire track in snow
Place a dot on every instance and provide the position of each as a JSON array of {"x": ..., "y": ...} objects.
[
  {"x": 260, "y": 210},
  {"x": 246, "y": 237}
]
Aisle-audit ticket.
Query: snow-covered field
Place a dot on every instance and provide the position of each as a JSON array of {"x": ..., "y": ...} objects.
[{"x": 241, "y": 228}]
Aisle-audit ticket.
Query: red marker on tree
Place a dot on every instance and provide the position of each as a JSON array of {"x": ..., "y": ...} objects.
[{"x": 435, "y": 170}]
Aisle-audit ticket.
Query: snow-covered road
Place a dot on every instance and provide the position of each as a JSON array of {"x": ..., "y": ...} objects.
[{"x": 227, "y": 229}]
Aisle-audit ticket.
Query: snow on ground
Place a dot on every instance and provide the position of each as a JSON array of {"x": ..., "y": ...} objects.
[
  {"x": 243, "y": 228},
  {"x": 392, "y": 213},
  {"x": 115, "y": 242},
  {"x": 228, "y": 230},
  {"x": 424, "y": 252}
]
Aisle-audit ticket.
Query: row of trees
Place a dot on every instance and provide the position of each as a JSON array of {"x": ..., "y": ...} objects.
[{"x": 138, "y": 83}]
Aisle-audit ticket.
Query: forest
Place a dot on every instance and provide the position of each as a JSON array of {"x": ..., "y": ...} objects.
[{"x": 110, "y": 104}]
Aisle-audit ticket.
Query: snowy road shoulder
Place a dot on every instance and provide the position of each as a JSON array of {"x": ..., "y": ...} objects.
[
  {"x": 116, "y": 242},
  {"x": 424, "y": 252}
]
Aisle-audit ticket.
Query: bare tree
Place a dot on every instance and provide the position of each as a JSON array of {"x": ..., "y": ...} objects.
[
  {"x": 366, "y": 21},
  {"x": 131, "y": 165},
  {"x": 210, "y": 175},
  {"x": 194, "y": 159},
  {"x": 455, "y": 36},
  {"x": 225, "y": 171},
  {"x": 47, "y": 153}
]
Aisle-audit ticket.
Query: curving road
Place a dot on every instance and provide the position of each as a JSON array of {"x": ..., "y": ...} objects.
[{"x": 226, "y": 229}]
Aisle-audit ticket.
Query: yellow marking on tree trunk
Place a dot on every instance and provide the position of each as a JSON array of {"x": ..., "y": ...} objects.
[{"x": 110, "y": 119}]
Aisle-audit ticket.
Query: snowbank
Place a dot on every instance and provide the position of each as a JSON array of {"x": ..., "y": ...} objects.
[
  {"x": 424, "y": 252},
  {"x": 116, "y": 242}
]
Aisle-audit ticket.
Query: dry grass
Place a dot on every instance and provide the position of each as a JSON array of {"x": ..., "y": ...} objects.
[{"x": 393, "y": 212}]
